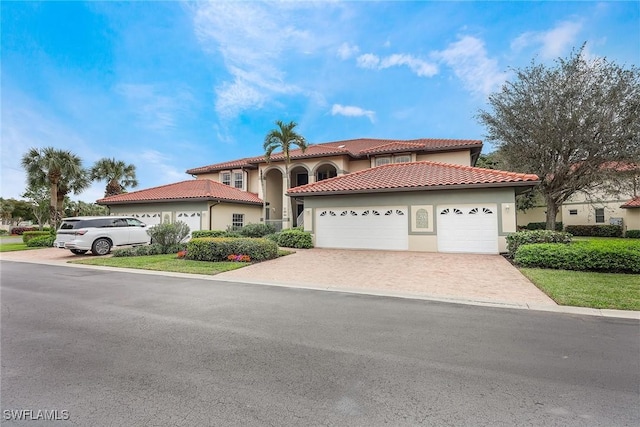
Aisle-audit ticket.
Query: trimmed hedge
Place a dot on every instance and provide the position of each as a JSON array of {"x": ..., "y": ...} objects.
[
  {"x": 256, "y": 230},
  {"x": 152, "y": 249},
  {"x": 542, "y": 226},
  {"x": 28, "y": 235},
  {"x": 632, "y": 234},
  {"x": 42, "y": 241},
  {"x": 595, "y": 230},
  {"x": 219, "y": 248},
  {"x": 604, "y": 256},
  {"x": 294, "y": 238},
  {"x": 515, "y": 240},
  {"x": 208, "y": 233},
  {"x": 20, "y": 230}
]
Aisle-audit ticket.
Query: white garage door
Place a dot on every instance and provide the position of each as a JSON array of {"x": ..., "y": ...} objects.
[
  {"x": 468, "y": 228},
  {"x": 362, "y": 228},
  {"x": 149, "y": 218},
  {"x": 192, "y": 219}
]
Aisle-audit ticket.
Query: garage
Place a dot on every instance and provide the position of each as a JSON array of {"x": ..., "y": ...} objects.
[
  {"x": 468, "y": 228},
  {"x": 149, "y": 218},
  {"x": 363, "y": 228},
  {"x": 192, "y": 219}
]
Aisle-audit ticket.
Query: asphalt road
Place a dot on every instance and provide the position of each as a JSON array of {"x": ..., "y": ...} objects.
[{"x": 111, "y": 349}]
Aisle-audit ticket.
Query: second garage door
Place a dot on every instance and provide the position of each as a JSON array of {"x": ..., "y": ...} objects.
[
  {"x": 362, "y": 228},
  {"x": 468, "y": 228}
]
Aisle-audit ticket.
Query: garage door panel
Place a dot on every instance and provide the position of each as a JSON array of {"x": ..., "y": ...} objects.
[
  {"x": 467, "y": 228},
  {"x": 362, "y": 228}
]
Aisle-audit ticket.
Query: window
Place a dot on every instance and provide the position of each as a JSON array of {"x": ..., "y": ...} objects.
[
  {"x": 383, "y": 161},
  {"x": 237, "y": 221},
  {"x": 226, "y": 178},
  {"x": 573, "y": 211},
  {"x": 325, "y": 174},
  {"x": 599, "y": 215},
  {"x": 404, "y": 158},
  {"x": 237, "y": 180}
]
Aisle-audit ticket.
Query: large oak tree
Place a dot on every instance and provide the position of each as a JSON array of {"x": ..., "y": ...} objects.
[{"x": 570, "y": 123}]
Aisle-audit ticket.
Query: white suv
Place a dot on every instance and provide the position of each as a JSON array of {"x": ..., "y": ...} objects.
[{"x": 100, "y": 233}]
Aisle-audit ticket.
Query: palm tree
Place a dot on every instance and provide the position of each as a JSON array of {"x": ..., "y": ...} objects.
[
  {"x": 283, "y": 138},
  {"x": 117, "y": 173},
  {"x": 60, "y": 170}
]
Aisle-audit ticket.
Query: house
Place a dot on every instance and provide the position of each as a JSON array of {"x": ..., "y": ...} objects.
[
  {"x": 617, "y": 206},
  {"x": 418, "y": 195}
]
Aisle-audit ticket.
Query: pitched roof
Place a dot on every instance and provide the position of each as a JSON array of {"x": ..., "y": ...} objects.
[
  {"x": 352, "y": 147},
  {"x": 414, "y": 176},
  {"x": 195, "y": 189},
  {"x": 633, "y": 203}
]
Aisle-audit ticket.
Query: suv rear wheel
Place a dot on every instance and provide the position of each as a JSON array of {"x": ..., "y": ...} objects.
[{"x": 101, "y": 246}]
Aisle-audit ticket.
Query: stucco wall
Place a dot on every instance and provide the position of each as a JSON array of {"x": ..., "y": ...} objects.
[
  {"x": 633, "y": 219},
  {"x": 426, "y": 241},
  {"x": 462, "y": 157},
  {"x": 168, "y": 211},
  {"x": 222, "y": 214}
]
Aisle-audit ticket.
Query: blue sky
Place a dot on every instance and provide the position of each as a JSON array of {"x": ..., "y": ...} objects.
[{"x": 170, "y": 86}]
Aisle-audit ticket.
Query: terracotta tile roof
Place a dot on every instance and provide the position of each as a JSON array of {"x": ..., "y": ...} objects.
[
  {"x": 414, "y": 176},
  {"x": 633, "y": 203},
  {"x": 247, "y": 162},
  {"x": 200, "y": 189},
  {"x": 352, "y": 147}
]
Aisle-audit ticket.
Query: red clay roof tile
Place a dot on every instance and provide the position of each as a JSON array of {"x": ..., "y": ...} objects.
[
  {"x": 351, "y": 147},
  {"x": 415, "y": 175},
  {"x": 633, "y": 203},
  {"x": 203, "y": 189}
]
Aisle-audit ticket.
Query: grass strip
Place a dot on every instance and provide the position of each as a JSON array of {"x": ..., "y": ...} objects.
[
  {"x": 12, "y": 247},
  {"x": 167, "y": 262},
  {"x": 588, "y": 289}
]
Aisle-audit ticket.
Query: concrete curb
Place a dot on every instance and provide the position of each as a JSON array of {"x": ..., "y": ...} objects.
[{"x": 584, "y": 311}]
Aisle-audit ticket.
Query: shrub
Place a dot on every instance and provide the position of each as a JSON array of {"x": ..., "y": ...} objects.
[
  {"x": 595, "y": 230},
  {"x": 273, "y": 237},
  {"x": 295, "y": 239},
  {"x": 20, "y": 230},
  {"x": 3, "y": 232},
  {"x": 542, "y": 226},
  {"x": 208, "y": 233},
  {"x": 152, "y": 249},
  {"x": 42, "y": 241},
  {"x": 632, "y": 234},
  {"x": 515, "y": 240},
  {"x": 219, "y": 248},
  {"x": 605, "y": 256},
  {"x": 28, "y": 235},
  {"x": 168, "y": 234},
  {"x": 256, "y": 230}
]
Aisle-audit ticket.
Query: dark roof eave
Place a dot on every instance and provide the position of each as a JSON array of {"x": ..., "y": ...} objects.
[
  {"x": 186, "y": 199},
  {"x": 422, "y": 188}
]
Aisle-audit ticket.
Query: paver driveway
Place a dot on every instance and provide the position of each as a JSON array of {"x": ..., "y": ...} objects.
[{"x": 481, "y": 278}]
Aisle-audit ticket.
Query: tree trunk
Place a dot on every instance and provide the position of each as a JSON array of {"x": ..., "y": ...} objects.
[
  {"x": 53, "y": 207},
  {"x": 552, "y": 211}
]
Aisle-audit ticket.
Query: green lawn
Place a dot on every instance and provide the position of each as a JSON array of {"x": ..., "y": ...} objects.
[
  {"x": 10, "y": 247},
  {"x": 588, "y": 289},
  {"x": 167, "y": 262}
]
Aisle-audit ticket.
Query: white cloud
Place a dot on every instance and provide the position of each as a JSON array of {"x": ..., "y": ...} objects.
[
  {"x": 156, "y": 107},
  {"x": 252, "y": 39},
  {"x": 469, "y": 61},
  {"x": 346, "y": 51},
  {"x": 418, "y": 66},
  {"x": 162, "y": 166},
  {"x": 553, "y": 43},
  {"x": 351, "y": 111}
]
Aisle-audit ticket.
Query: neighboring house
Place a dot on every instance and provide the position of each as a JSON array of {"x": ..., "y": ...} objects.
[
  {"x": 602, "y": 208},
  {"x": 201, "y": 204},
  {"x": 419, "y": 195}
]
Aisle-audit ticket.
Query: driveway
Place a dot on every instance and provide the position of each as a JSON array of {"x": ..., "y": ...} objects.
[{"x": 472, "y": 278}]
